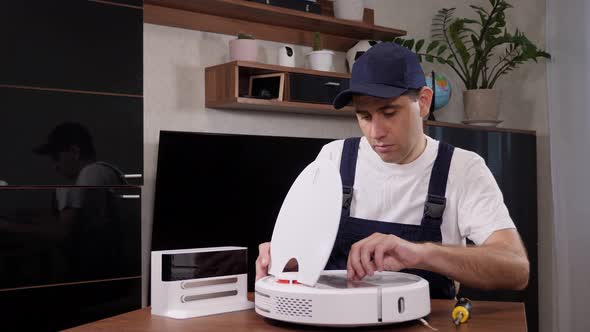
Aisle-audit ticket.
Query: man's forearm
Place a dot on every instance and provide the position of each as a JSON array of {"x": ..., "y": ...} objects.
[{"x": 483, "y": 267}]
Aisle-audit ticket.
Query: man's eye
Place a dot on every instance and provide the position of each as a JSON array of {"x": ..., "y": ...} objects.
[{"x": 389, "y": 114}]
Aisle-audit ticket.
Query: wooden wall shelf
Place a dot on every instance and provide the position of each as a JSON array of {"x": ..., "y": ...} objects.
[
  {"x": 226, "y": 87},
  {"x": 263, "y": 21},
  {"x": 242, "y": 103},
  {"x": 263, "y": 68},
  {"x": 473, "y": 127},
  {"x": 226, "y": 84}
]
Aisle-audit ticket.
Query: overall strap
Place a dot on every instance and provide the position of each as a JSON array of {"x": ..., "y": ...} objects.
[
  {"x": 436, "y": 200},
  {"x": 347, "y": 171}
]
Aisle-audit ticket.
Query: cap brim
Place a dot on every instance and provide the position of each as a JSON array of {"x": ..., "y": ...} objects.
[{"x": 374, "y": 90}]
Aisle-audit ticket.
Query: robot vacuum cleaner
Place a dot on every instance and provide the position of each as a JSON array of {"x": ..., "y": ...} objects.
[{"x": 305, "y": 230}]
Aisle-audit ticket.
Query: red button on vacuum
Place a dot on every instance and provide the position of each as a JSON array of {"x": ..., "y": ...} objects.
[{"x": 287, "y": 281}]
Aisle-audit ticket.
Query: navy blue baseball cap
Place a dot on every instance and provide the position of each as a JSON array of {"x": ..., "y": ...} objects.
[
  {"x": 386, "y": 70},
  {"x": 64, "y": 135}
]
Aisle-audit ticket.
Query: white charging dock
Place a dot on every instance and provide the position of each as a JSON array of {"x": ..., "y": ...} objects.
[{"x": 199, "y": 282}]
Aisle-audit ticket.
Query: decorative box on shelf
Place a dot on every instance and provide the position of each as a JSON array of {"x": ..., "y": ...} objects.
[{"x": 301, "y": 5}]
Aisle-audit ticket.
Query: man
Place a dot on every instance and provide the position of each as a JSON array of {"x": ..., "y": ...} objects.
[
  {"x": 78, "y": 237},
  {"x": 72, "y": 151},
  {"x": 413, "y": 201},
  {"x": 87, "y": 213},
  {"x": 71, "y": 148}
]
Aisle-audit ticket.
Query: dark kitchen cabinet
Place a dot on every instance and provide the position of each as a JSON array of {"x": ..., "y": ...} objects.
[
  {"x": 113, "y": 126},
  {"x": 72, "y": 44},
  {"x": 512, "y": 159},
  {"x": 58, "y": 307},
  {"x": 43, "y": 244},
  {"x": 71, "y": 138}
]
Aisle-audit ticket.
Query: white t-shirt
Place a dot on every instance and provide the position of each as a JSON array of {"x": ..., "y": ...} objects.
[
  {"x": 396, "y": 193},
  {"x": 94, "y": 174}
]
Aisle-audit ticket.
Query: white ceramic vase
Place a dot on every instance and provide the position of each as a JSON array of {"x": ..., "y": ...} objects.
[
  {"x": 321, "y": 60},
  {"x": 349, "y": 9},
  {"x": 243, "y": 50}
]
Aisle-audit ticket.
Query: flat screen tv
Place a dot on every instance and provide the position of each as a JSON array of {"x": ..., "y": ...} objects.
[{"x": 222, "y": 189}]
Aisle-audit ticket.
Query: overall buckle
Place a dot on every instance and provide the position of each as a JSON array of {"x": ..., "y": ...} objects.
[
  {"x": 346, "y": 197},
  {"x": 435, "y": 206}
]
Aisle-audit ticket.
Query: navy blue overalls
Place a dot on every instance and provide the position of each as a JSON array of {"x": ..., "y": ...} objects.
[{"x": 352, "y": 229}]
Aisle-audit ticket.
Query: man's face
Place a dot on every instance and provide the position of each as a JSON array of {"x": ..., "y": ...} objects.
[
  {"x": 67, "y": 163},
  {"x": 393, "y": 127}
]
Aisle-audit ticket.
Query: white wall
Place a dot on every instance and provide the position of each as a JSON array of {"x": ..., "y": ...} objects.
[
  {"x": 568, "y": 33},
  {"x": 174, "y": 99},
  {"x": 174, "y": 62}
]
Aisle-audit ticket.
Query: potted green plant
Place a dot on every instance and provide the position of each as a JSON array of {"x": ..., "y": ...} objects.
[
  {"x": 243, "y": 48},
  {"x": 320, "y": 58},
  {"x": 479, "y": 51}
]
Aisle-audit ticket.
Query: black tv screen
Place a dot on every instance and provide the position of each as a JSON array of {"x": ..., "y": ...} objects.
[{"x": 224, "y": 190}]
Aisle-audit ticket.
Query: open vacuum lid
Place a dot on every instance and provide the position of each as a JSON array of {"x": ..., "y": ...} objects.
[{"x": 307, "y": 224}]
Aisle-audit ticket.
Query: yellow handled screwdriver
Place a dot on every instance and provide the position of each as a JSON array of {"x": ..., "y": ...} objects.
[{"x": 462, "y": 311}]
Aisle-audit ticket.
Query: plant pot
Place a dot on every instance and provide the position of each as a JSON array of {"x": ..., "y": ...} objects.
[
  {"x": 480, "y": 106},
  {"x": 349, "y": 9},
  {"x": 243, "y": 50},
  {"x": 321, "y": 60}
]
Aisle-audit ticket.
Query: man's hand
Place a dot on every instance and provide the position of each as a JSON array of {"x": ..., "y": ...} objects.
[
  {"x": 380, "y": 252},
  {"x": 499, "y": 263},
  {"x": 263, "y": 260}
]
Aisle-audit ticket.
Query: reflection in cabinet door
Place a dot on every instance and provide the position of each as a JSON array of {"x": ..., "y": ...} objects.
[
  {"x": 68, "y": 234},
  {"x": 65, "y": 132}
]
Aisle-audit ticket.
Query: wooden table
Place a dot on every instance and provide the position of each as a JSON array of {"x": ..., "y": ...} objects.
[{"x": 486, "y": 316}]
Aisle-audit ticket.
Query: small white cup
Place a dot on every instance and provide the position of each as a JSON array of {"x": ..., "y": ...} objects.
[{"x": 349, "y": 9}]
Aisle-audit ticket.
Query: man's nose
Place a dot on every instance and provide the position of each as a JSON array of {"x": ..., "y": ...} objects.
[{"x": 378, "y": 129}]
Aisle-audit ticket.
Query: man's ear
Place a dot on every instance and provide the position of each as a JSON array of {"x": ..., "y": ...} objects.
[{"x": 424, "y": 100}]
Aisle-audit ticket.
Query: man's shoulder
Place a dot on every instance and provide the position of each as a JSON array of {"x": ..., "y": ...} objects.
[
  {"x": 99, "y": 173},
  {"x": 465, "y": 157},
  {"x": 332, "y": 151},
  {"x": 462, "y": 158},
  {"x": 466, "y": 166},
  {"x": 97, "y": 168},
  {"x": 336, "y": 145}
]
